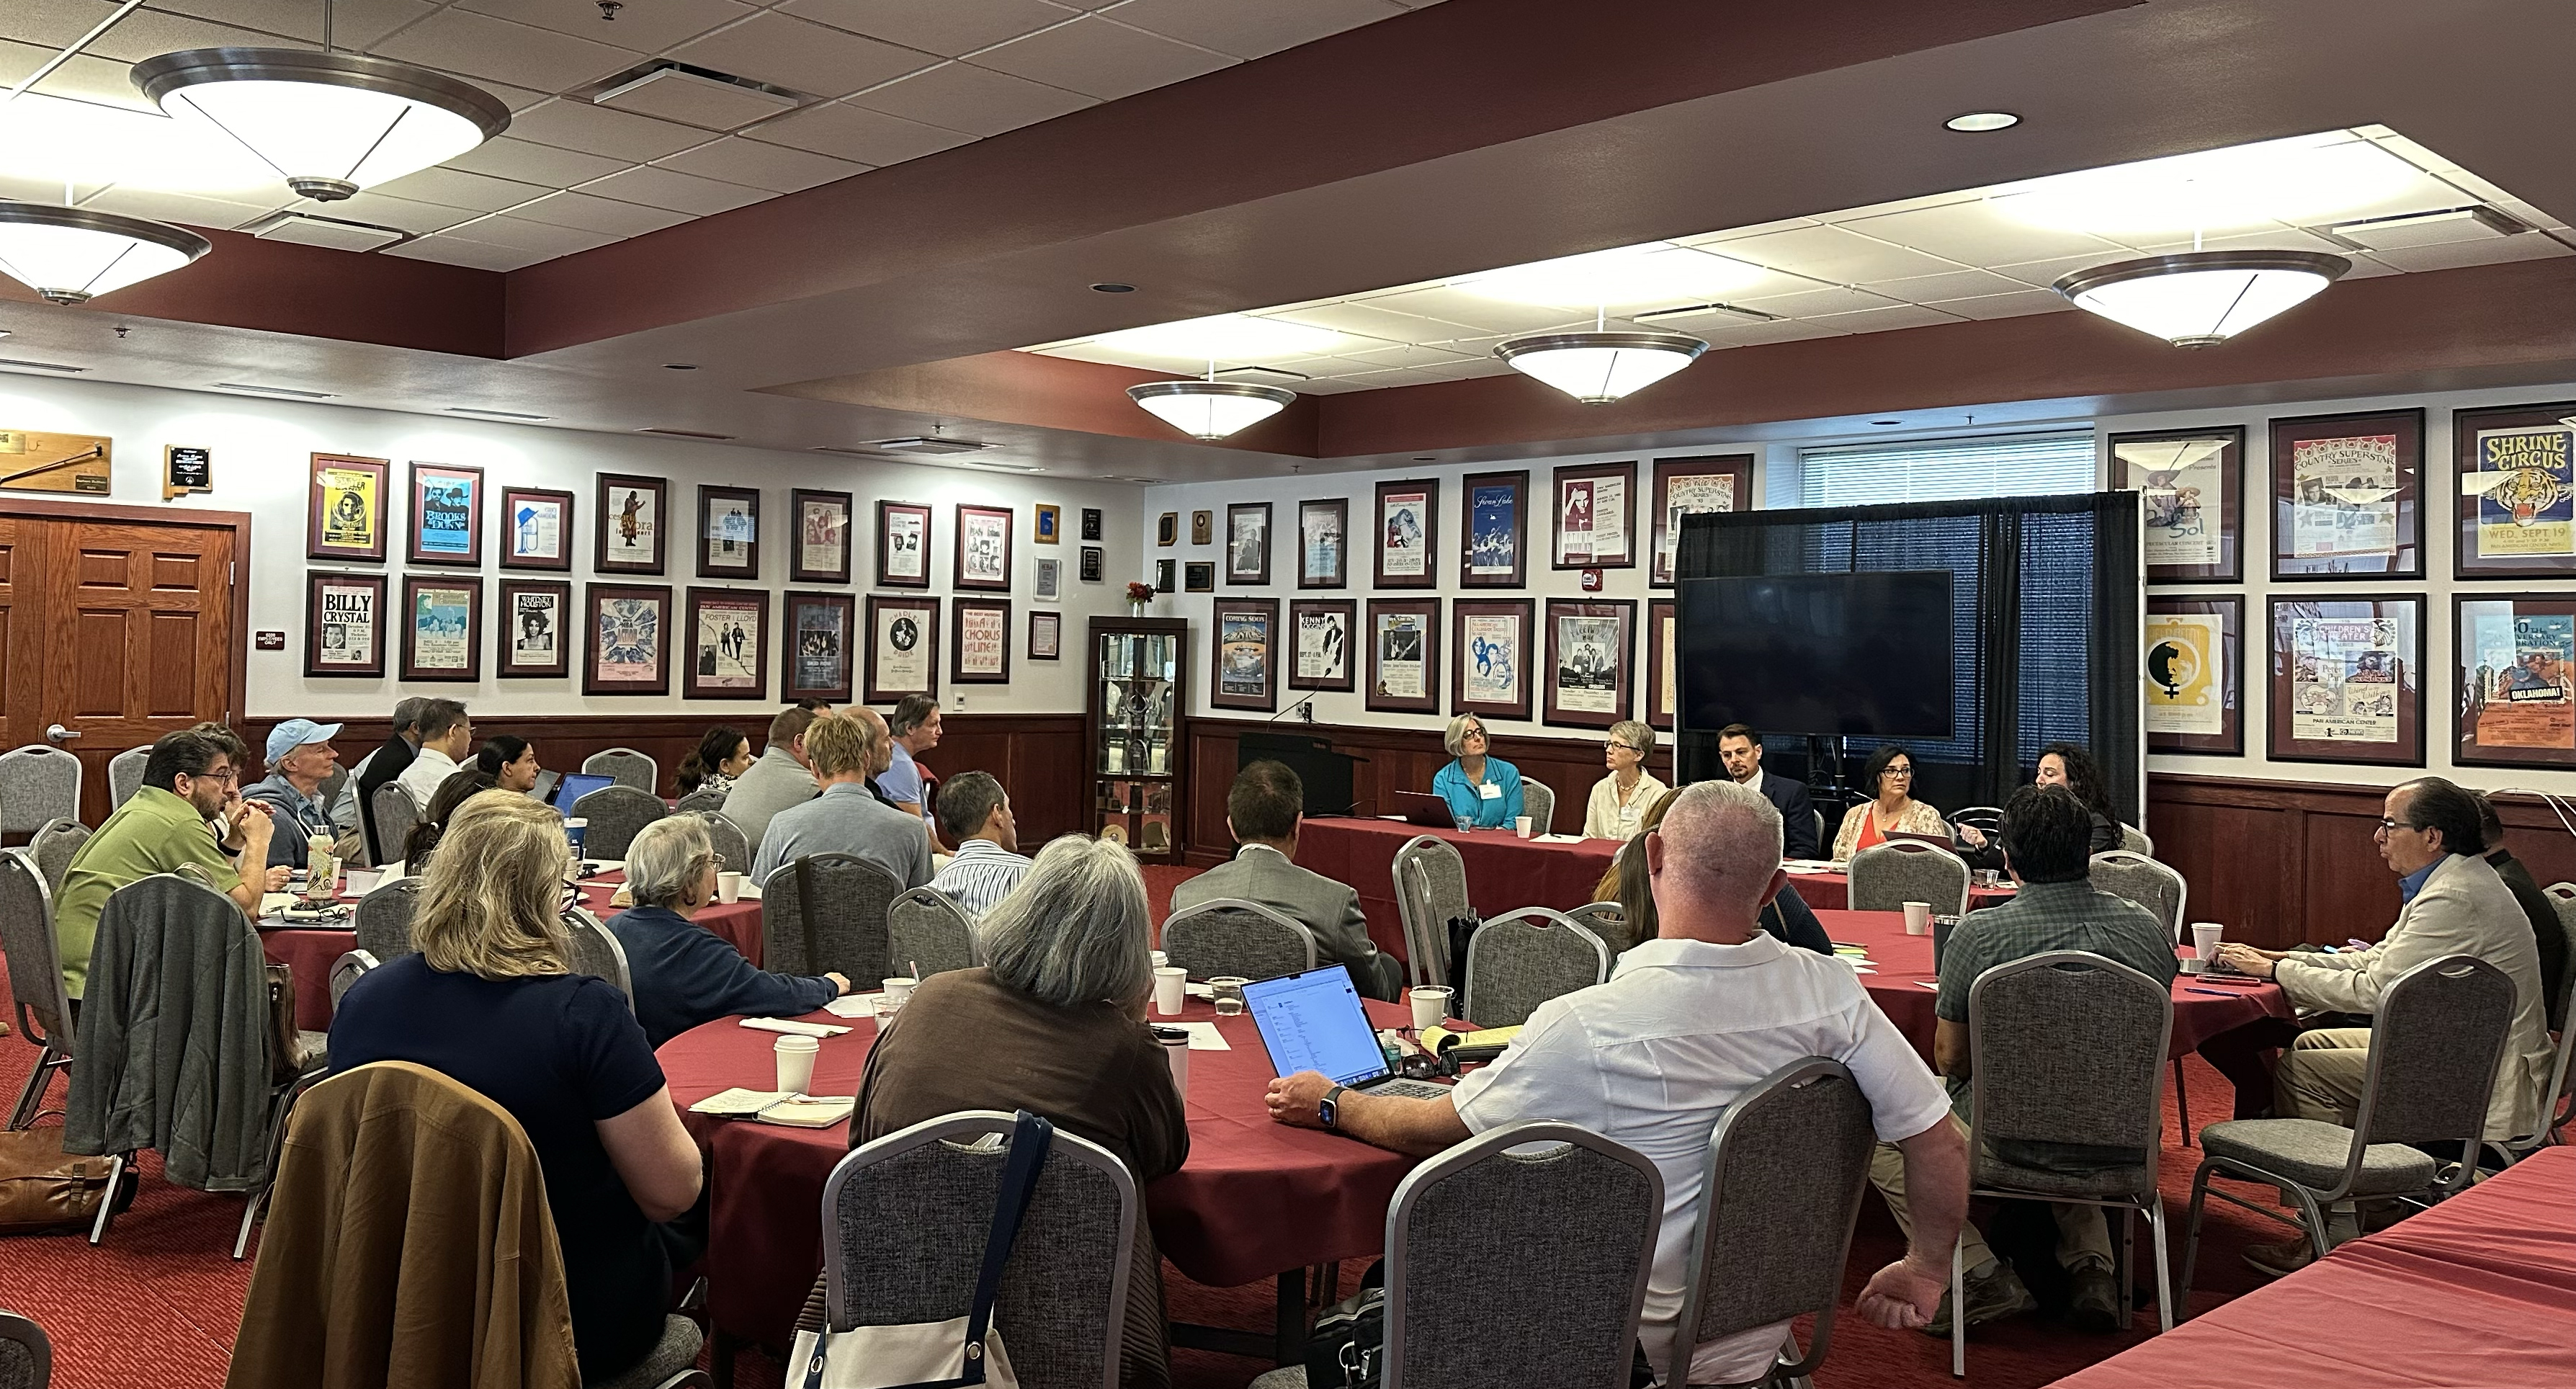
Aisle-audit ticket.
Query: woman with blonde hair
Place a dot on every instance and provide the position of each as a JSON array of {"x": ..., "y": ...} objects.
[
  {"x": 490, "y": 1001},
  {"x": 1617, "y": 809}
]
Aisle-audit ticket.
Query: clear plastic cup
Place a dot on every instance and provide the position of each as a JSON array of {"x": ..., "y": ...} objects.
[{"x": 1227, "y": 993}]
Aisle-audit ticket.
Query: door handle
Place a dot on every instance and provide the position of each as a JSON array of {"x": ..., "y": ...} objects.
[{"x": 59, "y": 734}]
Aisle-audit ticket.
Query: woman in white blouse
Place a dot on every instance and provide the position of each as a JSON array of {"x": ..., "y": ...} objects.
[{"x": 1620, "y": 800}]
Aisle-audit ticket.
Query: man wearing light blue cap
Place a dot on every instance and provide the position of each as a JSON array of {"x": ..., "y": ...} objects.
[{"x": 300, "y": 759}]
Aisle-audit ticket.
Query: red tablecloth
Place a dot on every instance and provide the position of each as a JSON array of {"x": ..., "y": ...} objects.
[
  {"x": 1255, "y": 1198},
  {"x": 1832, "y": 892},
  {"x": 1504, "y": 871},
  {"x": 312, "y": 951},
  {"x": 2480, "y": 1290},
  {"x": 1904, "y": 965}
]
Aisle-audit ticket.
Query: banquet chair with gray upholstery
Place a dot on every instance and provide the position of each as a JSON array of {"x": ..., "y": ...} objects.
[
  {"x": 700, "y": 801},
  {"x": 616, "y": 814},
  {"x": 629, "y": 767},
  {"x": 1227, "y": 935},
  {"x": 1884, "y": 877},
  {"x": 1521, "y": 959},
  {"x": 828, "y": 912},
  {"x": 2135, "y": 841},
  {"x": 2560, "y": 1106},
  {"x": 1430, "y": 892},
  {"x": 395, "y": 814},
  {"x": 382, "y": 920},
  {"x": 732, "y": 846},
  {"x": 44, "y": 1009},
  {"x": 2069, "y": 1055},
  {"x": 1061, "y": 1309},
  {"x": 1609, "y": 921},
  {"x": 597, "y": 953},
  {"x": 38, "y": 782},
  {"x": 2434, "y": 1045},
  {"x": 1575, "y": 1212},
  {"x": 26, "y": 1357},
  {"x": 53, "y": 846},
  {"x": 1985, "y": 819},
  {"x": 125, "y": 775},
  {"x": 346, "y": 971},
  {"x": 1538, "y": 802},
  {"x": 2152, "y": 885},
  {"x": 1779, "y": 1198},
  {"x": 927, "y": 934}
]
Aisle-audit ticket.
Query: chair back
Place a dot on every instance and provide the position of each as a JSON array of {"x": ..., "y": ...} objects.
[
  {"x": 1227, "y": 935},
  {"x": 1538, "y": 802},
  {"x": 828, "y": 912},
  {"x": 1985, "y": 819},
  {"x": 1573, "y": 1210},
  {"x": 1609, "y": 921},
  {"x": 1521, "y": 959},
  {"x": 347, "y": 970},
  {"x": 1884, "y": 877},
  {"x": 631, "y": 768},
  {"x": 2152, "y": 885},
  {"x": 596, "y": 952},
  {"x": 927, "y": 932},
  {"x": 125, "y": 775},
  {"x": 2561, "y": 1104},
  {"x": 1430, "y": 889},
  {"x": 26, "y": 1357},
  {"x": 1778, "y": 1200},
  {"x": 53, "y": 848},
  {"x": 35, "y": 960},
  {"x": 728, "y": 840},
  {"x": 904, "y": 1223},
  {"x": 616, "y": 814},
  {"x": 700, "y": 800},
  {"x": 2135, "y": 841},
  {"x": 38, "y": 783},
  {"x": 2068, "y": 1090},
  {"x": 2434, "y": 1046},
  {"x": 395, "y": 816},
  {"x": 383, "y": 918}
]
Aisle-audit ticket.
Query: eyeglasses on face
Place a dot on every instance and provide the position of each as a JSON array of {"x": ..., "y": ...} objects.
[
  {"x": 1898, "y": 772},
  {"x": 1616, "y": 746},
  {"x": 2388, "y": 826}
]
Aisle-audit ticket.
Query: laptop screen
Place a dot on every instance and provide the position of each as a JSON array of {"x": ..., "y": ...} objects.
[
  {"x": 577, "y": 785},
  {"x": 543, "y": 792},
  {"x": 1314, "y": 1022}
]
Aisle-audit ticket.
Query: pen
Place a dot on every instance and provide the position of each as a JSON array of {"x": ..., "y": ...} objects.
[{"x": 2213, "y": 993}]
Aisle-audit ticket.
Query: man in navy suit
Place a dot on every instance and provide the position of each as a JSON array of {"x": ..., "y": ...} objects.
[{"x": 1741, "y": 749}]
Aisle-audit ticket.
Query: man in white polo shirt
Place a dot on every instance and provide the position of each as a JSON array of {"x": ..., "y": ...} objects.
[{"x": 1691, "y": 1020}]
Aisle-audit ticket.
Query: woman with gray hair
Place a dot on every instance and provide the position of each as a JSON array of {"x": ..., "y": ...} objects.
[
  {"x": 1054, "y": 1024},
  {"x": 684, "y": 973},
  {"x": 1483, "y": 792},
  {"x": 1617, "y": 809}
]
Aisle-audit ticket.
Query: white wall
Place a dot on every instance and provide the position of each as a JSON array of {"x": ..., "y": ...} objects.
[{"x": 260, "y": 455}]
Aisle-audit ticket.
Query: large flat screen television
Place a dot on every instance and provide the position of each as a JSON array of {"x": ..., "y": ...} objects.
[{"x": 1859, "y": 655}]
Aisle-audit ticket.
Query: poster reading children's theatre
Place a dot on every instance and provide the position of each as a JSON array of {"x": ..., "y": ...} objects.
[
  {"x": 2527, "y": 491},
  {"x": 2343, "y": 679}
]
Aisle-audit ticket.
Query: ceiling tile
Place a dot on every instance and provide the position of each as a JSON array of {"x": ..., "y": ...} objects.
[
  {"x": 1406, "y": 356},
  {"x": 1816, "y": 303},
  {"x": 183, "y": 208},
  {"x": 1834, "y": 255},
  {"x": 735, "y": 159},
  {"x": 449, "y": 250},
  {"x": 587, "y": 213},
  {"x": 1100, "y": 58},
  {"x": 357, "y": 24},
  {"x": 1469, "y": 313},
  {"x": 384, "y": 211},
  {"x": 50, "y": 23},
  {"x": 2528, "y": 246},
  {"x": 846, "y": 130},
  {"x": 476, "y": 45},
  {"x": 146, "y": 34},
  {"x": 788, "y": 52},
  {"x": 578, "y": 125},
  {"x": 1973, "y": 233},
  {"x": 944, "y": 27},
  {"x": 679, "y": 192},
  {"x": 84, "y": 78},
  {"x": 1786, "y": 330},
  {"x": 2529, "y": 214},
  {"x": 2012, "y": 305},
  {"x": 520, "y": 234},
  {"x": 530, "y": 162},
  {"x": 647, "y": 27},
  {"x": 1363, "y": 321},
  {"x": 1740, "y": 233},
  {"x": 1883, "y": 320},
  {"x": 2276, "y": 239},
  {"x": 2043, "y": 273},
  {"x": 1955, "y": 284},
  {"x": 456, "y": 188},
  {"x": 976, "y": 100},
  {"x": 1250, "y": 28}
]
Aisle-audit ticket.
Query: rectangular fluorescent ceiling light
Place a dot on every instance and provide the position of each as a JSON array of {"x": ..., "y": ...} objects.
[
  {"x": 684, "y": 433},
  {"x": 2479, "y": 223},
  {"x": 927, "y": 445},
  {"x": 272, "y": 390},
  {"x": 495, "y": 414},
  {"x": 20, "y": 364}
]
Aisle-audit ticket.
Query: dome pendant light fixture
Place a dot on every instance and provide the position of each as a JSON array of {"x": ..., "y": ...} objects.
[
  {"x": 2202, "y": 298},
  {"x": 1600, "y": 367},
  {"x": 70, "y": 254},
  {"x": 1209, "y": 408}
]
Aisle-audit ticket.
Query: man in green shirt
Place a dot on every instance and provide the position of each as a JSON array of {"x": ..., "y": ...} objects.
[{"x": 189, "y": 810}]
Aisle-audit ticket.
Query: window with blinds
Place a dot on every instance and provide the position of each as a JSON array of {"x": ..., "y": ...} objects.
[{"x": 1932, "y": 470}]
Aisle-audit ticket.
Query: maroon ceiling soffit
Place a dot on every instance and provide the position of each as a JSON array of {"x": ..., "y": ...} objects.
[
  {"x": 1459, "y": 76},
  {"x": 313, "y": 292},
  {"x": 1047, "y": 392}
]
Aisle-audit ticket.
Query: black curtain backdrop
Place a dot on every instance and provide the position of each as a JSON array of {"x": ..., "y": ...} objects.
[{"x": 2046, "y": 629}]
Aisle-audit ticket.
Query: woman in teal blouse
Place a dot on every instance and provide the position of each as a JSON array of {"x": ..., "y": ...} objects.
[{"x": 1485, "y": 791}]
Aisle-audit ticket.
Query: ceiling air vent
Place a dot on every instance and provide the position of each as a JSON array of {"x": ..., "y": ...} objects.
[
  {"x": 684, "y": 433},
  {"x": 21, "y": 364},
  {"x": 2478, "y": 223},
  {"x": 702, "y": 97},
  {"x": 929, "y": 445},
  {"x": 337, "y": 233}
]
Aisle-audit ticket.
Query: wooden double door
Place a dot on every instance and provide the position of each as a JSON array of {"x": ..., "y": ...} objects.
[{"x": 119, "y": 625}]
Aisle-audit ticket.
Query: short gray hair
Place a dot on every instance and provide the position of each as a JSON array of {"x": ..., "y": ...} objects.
[
  {"x": 911, "y": 712},
  {"x": 407, "y": 712},
  {"x": 661, "y": 863},
  {"x": 1635, "y": 735},
  {"x": 1074, "y": 932},
  {"x": 1721, "y": 842},
  {"x": 1455, "y": 738}
]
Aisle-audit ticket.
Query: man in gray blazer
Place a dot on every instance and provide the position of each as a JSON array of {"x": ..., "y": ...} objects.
[{"x": 1264, "y": 811}]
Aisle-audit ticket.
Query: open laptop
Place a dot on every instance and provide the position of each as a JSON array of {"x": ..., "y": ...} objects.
[
  {"x": 576, "y": 785},
  {"x": 543, "y": 793},
  {"x": 1313, "y": 1021},
  {"x": 1422, "y": 808}
]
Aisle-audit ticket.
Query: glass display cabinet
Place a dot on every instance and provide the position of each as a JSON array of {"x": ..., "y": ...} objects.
[{"x": 1139, "y": 689}]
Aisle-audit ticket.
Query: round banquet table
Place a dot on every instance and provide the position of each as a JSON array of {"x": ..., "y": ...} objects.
[
  {"x": 1255, "y": 1199},
  {"x": 1831, "y": 891},
  {"x": 311, "y": 950},
  {"x": 1504, "y": 871}
]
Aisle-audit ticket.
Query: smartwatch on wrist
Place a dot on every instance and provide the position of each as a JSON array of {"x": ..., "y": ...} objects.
[{"x": 1328, "y": 1108}]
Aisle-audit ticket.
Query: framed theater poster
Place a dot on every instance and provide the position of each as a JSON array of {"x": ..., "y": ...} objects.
[
  {"x": 2517, "y": 504},
  {"x": 1663, "y": 675},
  {"x": 536, "y": 528},
  {"x": 2345, "y": 680},
  {"x": 345, "y": 515},
  {"x": 2188, "y": 482},
  {"x": 1595, "y": 510},
  {"x": 1046, "y": 636},
  {"x": 1406, "y": 520},
  {"x": 980, "y": 641},
  {"x": 1246, "y": 655},
  {"x": 1247, "y": 544},
  {"x": 2346, "y": 493},
  {"x": 2195, "y": 669},
  {"x": 626, "y": 650},
  {"x": 442, "y": 628},
  {"x": 903, "y": 545},
  {"x": 536, "y": 629},
  {"x": 816, "y": 647},
  {"x": 1689, "y": 486},
  {"x": 983, "y": 549},
  {"x": 632, "y": 516},
  {"x": 1589, "y": 682},
  {"x": 344, "y": 625},
  {"x": 903, "y": 648},
  {"x": 1497, "y": 527},
  {"x": 1490, "y": 677},
  {"x": 728, "y": 644},
  {"x": 822, "y": 553},
  {"x": 2515, "y": 682},
  {"x": 1404, "y": 655},
  {"x": 1320, "y": 644},
  {"x": 1323, "y": 543},
  {"x": 446, "y": 515},
  {"x": 728, "y": 532}
]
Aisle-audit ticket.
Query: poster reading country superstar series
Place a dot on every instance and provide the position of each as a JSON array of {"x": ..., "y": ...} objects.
[{"x": 2345, "y": 500}]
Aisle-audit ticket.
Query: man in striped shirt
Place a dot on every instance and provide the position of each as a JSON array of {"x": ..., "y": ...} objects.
[{"x": 976, "y": 817}]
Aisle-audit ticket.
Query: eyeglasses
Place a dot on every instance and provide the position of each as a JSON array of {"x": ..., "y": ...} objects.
[
  {"x": 1616, "y": 746},
  {"x": 229, "y": 774},
  {"x": 1898, "y": 771},
  {"x": 2387, "y": 825}
]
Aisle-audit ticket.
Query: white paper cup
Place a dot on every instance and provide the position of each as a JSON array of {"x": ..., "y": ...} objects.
[
  {"x": 1160, "y": 959},
  {"x": 728, "y": 888},
  {"x": 2205, "y": 939},
  {"x": 1430, "y": 1005},
  {"x": 1521, "y": 826},
  {"x": 796, "y": 1063},
  {"x": 1176, "y": 1051},
  {"x": 1918, "y": 918},
  {"x": 898, "y": 987},
  {"x": 1170, "y": 988},
  {"x": 364, "y": 880}
]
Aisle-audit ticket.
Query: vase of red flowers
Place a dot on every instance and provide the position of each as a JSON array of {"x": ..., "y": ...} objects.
[{"x": 1138, "y": 595}]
